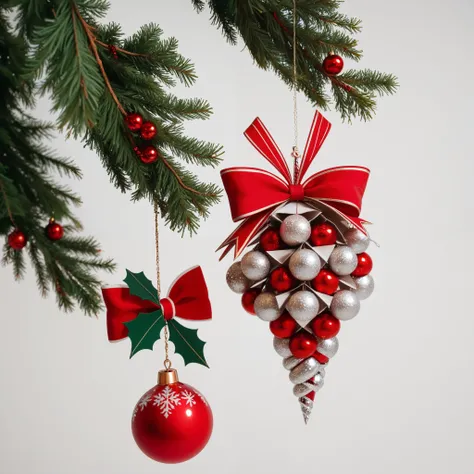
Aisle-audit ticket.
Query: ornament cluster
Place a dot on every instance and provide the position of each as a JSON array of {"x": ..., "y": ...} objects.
[
  {"x": 147, "y": 131},
  {"x": 304, "y": 276},
  {"x": 17, "y": 239}
]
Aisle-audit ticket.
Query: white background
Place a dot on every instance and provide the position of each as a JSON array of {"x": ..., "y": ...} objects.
[{"x": 398, "y": 396}]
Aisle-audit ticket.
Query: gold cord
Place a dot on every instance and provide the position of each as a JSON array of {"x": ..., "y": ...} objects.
[
  {"x": 295, "y": 153},
  {"x": 167, "y": 361}
]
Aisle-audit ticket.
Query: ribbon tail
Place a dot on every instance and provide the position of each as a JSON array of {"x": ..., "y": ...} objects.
[
  {"x": 243, "y": 235},
  {"x": 317, "y": 135},
  {"x": 258, "y": 135}
]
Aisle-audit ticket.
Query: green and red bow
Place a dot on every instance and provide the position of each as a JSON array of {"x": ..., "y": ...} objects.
[{"x": 136, "y": 311}]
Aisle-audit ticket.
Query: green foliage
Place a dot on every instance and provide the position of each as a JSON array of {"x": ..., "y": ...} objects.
[
  {"x": 92, "y": 92},
  {"x": 141, "y": 286},
  {"x": 187, "y": 343},
  {"x": 29, "y": 194},
  {"x": 266, "y": 27},
  {"x": 145, "y": 330}
]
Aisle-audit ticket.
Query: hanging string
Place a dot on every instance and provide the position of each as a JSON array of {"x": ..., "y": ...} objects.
[
  {"x": 167, "y": 361},
  {"x": 295, "y": 153}
]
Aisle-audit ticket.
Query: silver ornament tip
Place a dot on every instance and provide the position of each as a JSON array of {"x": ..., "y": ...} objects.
[{"x": 305, "y": 418}]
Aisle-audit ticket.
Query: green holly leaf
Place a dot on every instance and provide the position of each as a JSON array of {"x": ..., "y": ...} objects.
[
  {"x": 141, "y": 286},
  {"x": 187, "y": 343},
  {"x": 145, "y": 330}
]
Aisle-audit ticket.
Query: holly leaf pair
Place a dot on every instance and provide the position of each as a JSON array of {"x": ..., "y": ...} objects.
[{"x": 146, "y": 328}]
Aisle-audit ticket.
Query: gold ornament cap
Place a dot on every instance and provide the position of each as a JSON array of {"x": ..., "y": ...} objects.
[{"x": 167, "y": 377}]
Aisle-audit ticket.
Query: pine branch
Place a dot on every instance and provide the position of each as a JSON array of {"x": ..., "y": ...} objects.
[{"x": 266, "y": 27}]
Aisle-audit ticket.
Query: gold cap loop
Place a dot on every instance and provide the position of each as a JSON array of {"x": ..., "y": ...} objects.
[{"x": 167, "y": 377}]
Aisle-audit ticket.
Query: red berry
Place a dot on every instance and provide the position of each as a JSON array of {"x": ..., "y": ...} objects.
[
  {"x": 248, "y": 299},
  {"x": 281, "y": 280},
  {"x": 149, "y": 154},
  {"x": 326, "y": 282},
  {"x": 303, "y": 344},
  {"x": 284, "y": 326},
  {"x": 323, "y": 234},
  {"x": 325, "y": 326},
  {"x": 134, "y": 122},
  {"x": 148, "y": 130},
  {"x": 333, "y": 64},
  {"x": 271, "y": 240},
  {"x": 54, "y": 231},
  {"x": 364, "y": 265},
  {"x": 322, "y": 359},
  {"x": 17, "y": 240}
]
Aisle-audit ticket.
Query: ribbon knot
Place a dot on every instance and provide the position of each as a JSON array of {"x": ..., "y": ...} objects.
[
  {"x": 187, "y": 299},
  {"x": 296, "y": 192},
  {"x": 254, "y": 194}
]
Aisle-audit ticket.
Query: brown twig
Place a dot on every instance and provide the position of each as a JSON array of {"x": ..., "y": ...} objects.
[
  {"x": 120, "y": 50},
  {"x": 92, "y": 41}
]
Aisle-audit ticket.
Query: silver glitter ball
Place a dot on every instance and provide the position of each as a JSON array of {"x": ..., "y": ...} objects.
[
  {"x": 266, "y": 307},
  {"x": 291, "y": 362},
  {"x": 343, "y": 260},
  {"x": 236, "y": 280},
  {"x": 295, "y": 230},
  {"x": 304, "y": 371},
  {"x": 328, "y": 347},
  {"x": 365, "y": 286},
  {"x": 357, "y": 240},
  {"x": 305, "y": 264},
  {"x": 345, "y": 305},
  {"x": 282, "y": 346},
  {"x": 303, "y": 306},
  {"x": 255, "y": 265}
]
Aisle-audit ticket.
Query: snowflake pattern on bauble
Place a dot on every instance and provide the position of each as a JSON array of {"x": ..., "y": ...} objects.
[
  {"x": 188, "y": 397},
  {"x": 167, "y": 400},
  {"x": 142, "y": 403}
]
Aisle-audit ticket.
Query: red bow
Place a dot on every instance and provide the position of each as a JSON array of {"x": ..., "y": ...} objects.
[
  {"x": 255, "y": 193},
  {"x": 187, "y": 299}
]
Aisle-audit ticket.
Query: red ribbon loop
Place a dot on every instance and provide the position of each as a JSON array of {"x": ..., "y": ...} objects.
[
  {"x": 255, "y": 193},
  {"x": 188, "y": 298}
]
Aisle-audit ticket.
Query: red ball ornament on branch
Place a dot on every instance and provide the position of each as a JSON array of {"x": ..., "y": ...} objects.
[
  {"x": 303, "y": 344},
  {"x": 17, "y": 240},
  {"x": 134, "y": 122},
  {"x": 148, "y": 130},
  {"x": 282, "y": 280},
  {"x": 333, "y": 64},
  {"x": 284, "y": 326},
  {"x": 248, "y": 299},
  {"x": 148, "y": 155},
  {"x": 326, "y": 282},
  {"x": 172, "y": 422},
  {"x": 323, "y": 234},
  {"x": 270, "y": 240},
  {"x": 54, "y": 231},
  {"x": 325, "y": 326},
  {"x": 364, "y": 265}
]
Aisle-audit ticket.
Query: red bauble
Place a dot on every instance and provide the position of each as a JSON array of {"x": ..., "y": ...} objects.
[
  {"x": 322, "y": 359},
  {"x": 284, "y": 326},
  {"x": 364, "y": 265},
  {"x": 271, "y": 240},
  {"x": 148, "y": 130},
  {"x": 323, "y": 234},
  {"x": 134, "y": 122},
  {"x": 326, "y": 282},
  {"x": 17, "y": 239},
  {"x": 149, "y": 155},
  {"x": 172, "y": 423},
  {"x": 248, "y": 299},
  {"x": 54, "y": 231},
  {"x": 281, "y": 280},
  {"x": 303, "y": 344},
  {"x": 333, "y": 64},
  {"x": 325, "y": 326}
]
